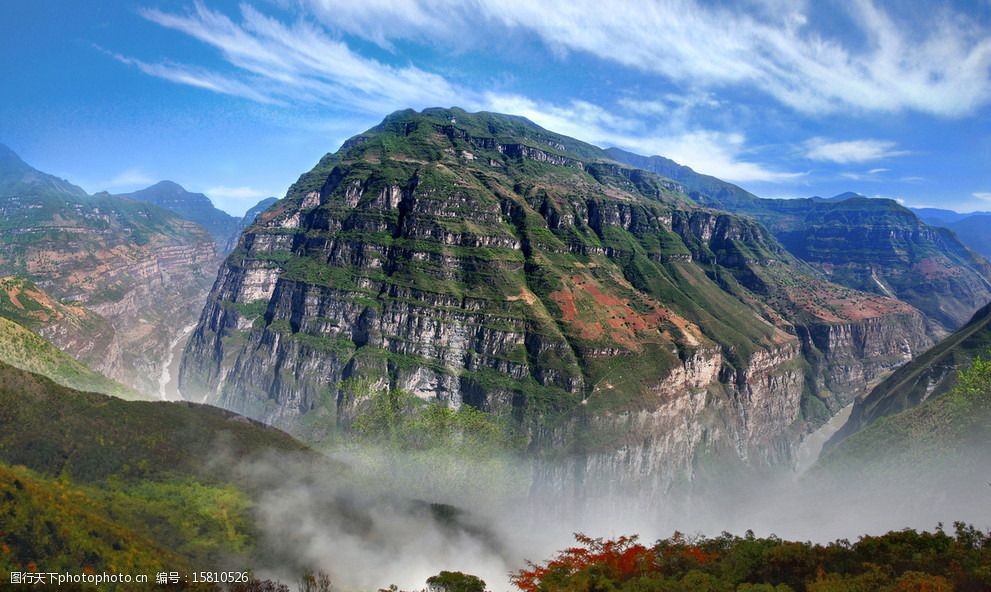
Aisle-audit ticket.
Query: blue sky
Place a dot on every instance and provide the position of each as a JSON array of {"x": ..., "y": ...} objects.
[{"x": 787, "y": 99}]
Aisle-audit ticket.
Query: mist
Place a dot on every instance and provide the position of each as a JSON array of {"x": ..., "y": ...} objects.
[{"x": 371, "y": 517}]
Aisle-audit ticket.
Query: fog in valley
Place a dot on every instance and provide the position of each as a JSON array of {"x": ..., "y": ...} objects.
[{"x": 371, "y": 517}]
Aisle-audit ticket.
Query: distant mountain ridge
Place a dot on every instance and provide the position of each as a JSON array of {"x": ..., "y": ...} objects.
[
  {"x": 195, "y": 207},
  {"x": 973, "y": 229},
  {"x": 874, "y": 245}
]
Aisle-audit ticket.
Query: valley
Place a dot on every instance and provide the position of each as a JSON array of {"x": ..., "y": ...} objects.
[{"x": 462, "y": 325}]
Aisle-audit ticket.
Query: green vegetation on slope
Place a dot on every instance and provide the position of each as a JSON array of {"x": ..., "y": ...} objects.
[
  {"x": 928, "y": 376},
  {"x": 946, "y": 431},
  {"x": 22, "y": 348},
  {"x": 58, "y": 525},
  {"x": 93, "y": 481}
]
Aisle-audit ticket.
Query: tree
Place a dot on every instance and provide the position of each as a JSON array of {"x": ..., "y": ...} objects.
[{"x": 455, "y": 581}]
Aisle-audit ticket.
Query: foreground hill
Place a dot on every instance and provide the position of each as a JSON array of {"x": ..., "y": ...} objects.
[
  {"x": 874, "y": 245},
  {"x": 130, "y": 486},
  {"x": 479, "y": 259},
  {"x": 134, "y": 264},
  {"x": 938, "y": 453},
  {"x": 194, "y": 207},
  {"x": 930, "y": 376}
]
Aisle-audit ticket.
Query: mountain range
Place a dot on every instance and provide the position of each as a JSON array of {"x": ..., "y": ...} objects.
[
  {"x": 623, "y": 309},
  {"x": 469, "y": 286},
  {"x": 972, "y": 228},
  {"x": 874, "y": 245},
  {"x": 107, "y": 278}
]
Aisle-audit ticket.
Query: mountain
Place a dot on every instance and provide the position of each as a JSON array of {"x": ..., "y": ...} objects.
[
  {"x": 929, "y": 376},
  {"x": 874, "y": 245},
  {"x": 942, "y": 217},
  {"x": 248, "y": 219},
  {"x": 21, "y": 348},
  {"x": 18, "y": 176},
  {"x": 479, "y": 259},
  {"x": 134, "y": 264},
  {"x": 972, "y": 229},
  {"x": 195, "y": 207}
]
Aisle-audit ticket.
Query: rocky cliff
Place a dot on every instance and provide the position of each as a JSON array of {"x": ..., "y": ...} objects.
[
  {"x": 478, "y": 259},
  {"x": 247, "y": 220},
  {"x": 118, "y": 275}
]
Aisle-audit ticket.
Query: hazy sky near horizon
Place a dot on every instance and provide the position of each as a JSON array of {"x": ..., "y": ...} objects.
[{"x": 787, "y": 99}]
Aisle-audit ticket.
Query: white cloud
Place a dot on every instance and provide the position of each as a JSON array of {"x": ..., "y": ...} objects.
[
  {"x": 982, "y": 195},
  {"x": 294, "y": 63},
  {"x": 300, "y": 63},
  {"x": 236, "y": 200},
  {"x": 132, "y": 178},
  {"x": 851, "y": 150},
  {"x": 711, "y": 152},
  {"x": 769, "y": 46},
  {"x": 236, "y": 192}
]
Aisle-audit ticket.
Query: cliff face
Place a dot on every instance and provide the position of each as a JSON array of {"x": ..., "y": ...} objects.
[
  {"x": 478, "y": 259},
  {"x": 118, "y": 275}
]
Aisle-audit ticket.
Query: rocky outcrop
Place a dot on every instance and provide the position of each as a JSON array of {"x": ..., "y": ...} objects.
[{"x": 626, "y": 330}]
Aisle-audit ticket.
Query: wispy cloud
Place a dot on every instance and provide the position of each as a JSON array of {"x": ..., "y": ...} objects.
[
  {"x": 880, "y": 64},
  {"x": 295, "y": 63},
  {"x": 274, "y": 62},
  {"x": 982, "y": 195},
  {"x": 128, "y": 179},
  {"x": 850, "y": 151},
  {"x": 236, "y": 200}
]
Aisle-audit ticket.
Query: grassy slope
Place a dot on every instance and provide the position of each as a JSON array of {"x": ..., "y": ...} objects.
[
  {"x": 120, "y": 485},
  {"x": 22, "y": 348},
  {"x": 929, "y": 376},
  {"x": 947, "y": 433}
]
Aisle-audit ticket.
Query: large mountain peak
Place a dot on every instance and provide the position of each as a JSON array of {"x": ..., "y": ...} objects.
[{"x": 479, "y": 259}]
